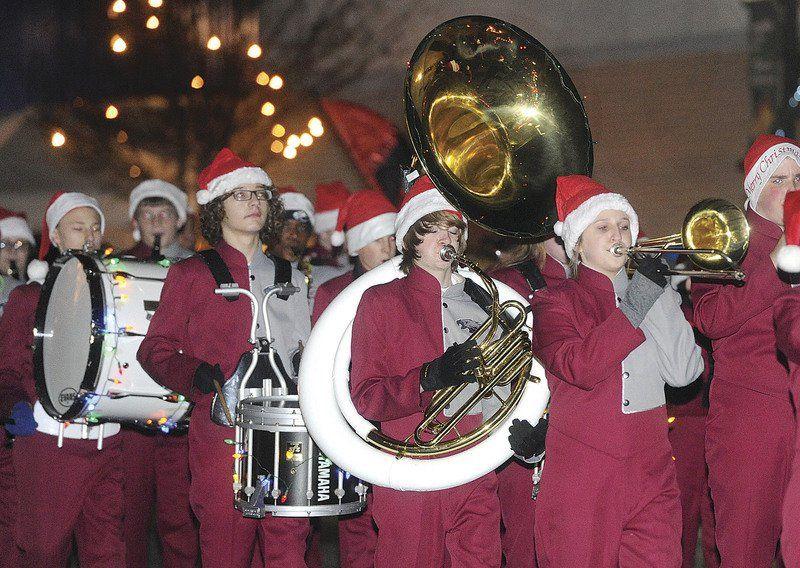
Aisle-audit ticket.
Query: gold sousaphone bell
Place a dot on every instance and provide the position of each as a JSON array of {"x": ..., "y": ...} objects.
[{"x": 494, "y": 119}]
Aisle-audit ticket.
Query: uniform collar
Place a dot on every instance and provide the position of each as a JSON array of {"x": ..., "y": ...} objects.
[
  {"x": 422, "y": 280},
  {"x": 589, "y": 277},
  {"x": 234, "y": 257},
  {"x": 759, "y": 224}
]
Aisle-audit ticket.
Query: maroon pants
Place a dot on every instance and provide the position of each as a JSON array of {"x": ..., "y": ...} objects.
[
  {"x": 226, "y": 538},
  {"x": 687, "y": 437},
  {"x": 358, "y": 539},
  {"x": 9, "y": 553},
  {"x": 600, "y": 511},
  {"x": 156, "y": 475},
  {"x": 517, "y": 508},
  {"x": 459, "y": 526},
  {"x": 749, "y": 439},
  {"x": 73, "y": 491},
  {"x": 790, "y": 537}
]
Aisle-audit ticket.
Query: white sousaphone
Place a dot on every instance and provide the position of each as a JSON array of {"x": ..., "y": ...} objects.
[{"x": 494, "y": 119}]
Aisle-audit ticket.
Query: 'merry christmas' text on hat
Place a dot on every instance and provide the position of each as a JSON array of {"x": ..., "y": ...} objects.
[
  {"x": 788, "y": 257},
  {"x": 227, "y": 172},
  {"x": 579, "y": 199},
  {"x": 422, "y": 198},
  {"x": 60, "y": 204},
  {"x": 157, "y": 188},
  {"x": 329, "y": 198},
  {"x": 14, "y": 226},
  {"x": 762, "y": 159},
  {"x": 366, "y": 217},
  {"x": 293, "y": 200}
]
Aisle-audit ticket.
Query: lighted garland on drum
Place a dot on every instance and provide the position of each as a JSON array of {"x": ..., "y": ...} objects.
[{"x": 91, "y": 318}]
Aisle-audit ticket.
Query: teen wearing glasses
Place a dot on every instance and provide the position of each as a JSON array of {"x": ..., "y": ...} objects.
[{"x": 197, "y": 337}]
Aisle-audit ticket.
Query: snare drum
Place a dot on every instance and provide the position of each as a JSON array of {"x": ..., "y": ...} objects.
[
  {"x": 282, "y": 471},
  {"x": 91, "y": 318}
]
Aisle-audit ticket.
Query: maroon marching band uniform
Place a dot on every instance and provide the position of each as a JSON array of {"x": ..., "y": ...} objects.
[
  {"x": 357, "y": 535},
  {"x": 156, "y": 474},
  {"x": 787, "y": 328},
  {"x": 72, "y": 491},
  {"x": 9, "y": 553},
  {"x": 514, "y": 480},
  {"x": 627, "y": 511},
  {"x": 387, "y": 353},
  {"x": 750, "y": 424},
  {"x": 687, "y": 435},
  {"x": 192, "y": 325}
]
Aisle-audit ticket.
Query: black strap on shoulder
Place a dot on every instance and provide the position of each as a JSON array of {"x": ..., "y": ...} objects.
[
  {"x": 532, "y": 274},
  {"x": 283, "y": 272},
  {"x": 219, "y": 270},
  {"x": 481, "y": 297}
]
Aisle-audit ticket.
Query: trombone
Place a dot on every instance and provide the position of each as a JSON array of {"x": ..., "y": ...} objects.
[{"x": 715, "y": 237}]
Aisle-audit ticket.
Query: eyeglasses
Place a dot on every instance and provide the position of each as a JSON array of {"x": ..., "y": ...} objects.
[
  {"x": 161, "y": 215},
  {"x": 13, "y": 245},
  {"x": 247, "y": 194}
]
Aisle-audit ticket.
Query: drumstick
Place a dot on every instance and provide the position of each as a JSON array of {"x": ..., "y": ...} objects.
[{"x": 224, "y": 402}]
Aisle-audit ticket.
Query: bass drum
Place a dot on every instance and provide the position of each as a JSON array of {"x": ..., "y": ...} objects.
[{"x": 91, "y": 318}]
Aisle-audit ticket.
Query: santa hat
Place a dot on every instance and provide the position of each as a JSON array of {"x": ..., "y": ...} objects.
[
  {"x": 60, "y": 204},
  {"x": 422, "y": 198},
  {"x": 157, "y": 188},
  {"x": 293, "y": 200},
  {"x": 366, "y": 216},
  {"x": 579, "y": 199},
  {"x": 762, "y": 159},
  {"x": 788, "y": 258},
  {"x": 227, "y": 172},
  {"x": 330, "y": 197},
  {"x": 14, "y": 226}
]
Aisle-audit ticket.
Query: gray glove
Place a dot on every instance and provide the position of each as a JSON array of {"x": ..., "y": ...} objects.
[{"x": 640, "y": 296}]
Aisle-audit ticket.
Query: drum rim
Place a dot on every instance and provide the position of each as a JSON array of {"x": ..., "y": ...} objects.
[{"x": 97, "y": 300}]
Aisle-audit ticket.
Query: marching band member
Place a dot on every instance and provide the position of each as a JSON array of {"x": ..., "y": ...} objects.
[
  {"x": 156, "y": 465},
  {"x": 293, "y": 239},
  {"x": 608, "y": 492},
  {"x": 366, "y": 225},
  {"x": 750, "y": 420},
  {"x": 531, "y": 267},
  {"x": 16, "y": 240},
  {"x": 786, "y": 315},
  {"x": 409, "y": 339},
  {"x": 196, "y": 338},
  {"x": 74, "y": 491}
]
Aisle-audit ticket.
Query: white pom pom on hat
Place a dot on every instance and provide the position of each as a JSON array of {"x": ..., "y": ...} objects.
[{"x": 37, "y": 270}]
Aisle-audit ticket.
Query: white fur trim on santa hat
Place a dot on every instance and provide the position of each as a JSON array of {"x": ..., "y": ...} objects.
[
  {"x": 788, "y": 258},
  {"x": 65, "y": 203},
  {"x": 296, "y": 201},
  {"x": 16, "y": 228},
  {"x": 371, "y": 230},
  {"x": 326, "y": 221},
  {"x": 162, "y": 189},
  {"x": 228, "y": 182},
  {"x": 585, "y": 214},
  {"x": 37, "y": 271},
  {"x": 429, "y": 201},
  {"x": 762, "y": 170}
]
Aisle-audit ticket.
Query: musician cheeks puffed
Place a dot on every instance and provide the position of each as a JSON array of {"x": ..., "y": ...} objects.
[
  {"x": 57, "y": 486},
  {"x": 407, "y": 342},
  {"x": 197, "y": 337},
  {"x": 751, "y": 421},
  {"x": 610, "y": 343}
]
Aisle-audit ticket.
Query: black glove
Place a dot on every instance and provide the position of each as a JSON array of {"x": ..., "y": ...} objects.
[
  {"x": 205, "y": 375},
  {"x": 654, "y": 268},
  {"x": 455, "y": 367},
  {"x": 527, "y": 441}
]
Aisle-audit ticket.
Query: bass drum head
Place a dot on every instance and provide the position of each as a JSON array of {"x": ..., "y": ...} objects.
[{"x": 67, "y": 352}]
